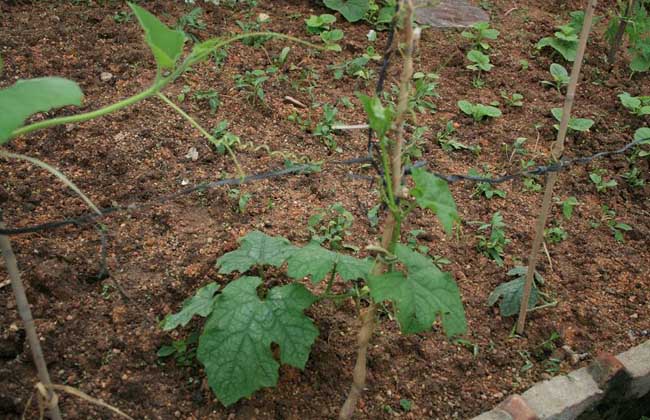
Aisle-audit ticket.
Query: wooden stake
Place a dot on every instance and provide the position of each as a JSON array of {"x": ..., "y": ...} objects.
[
  {"x": 28, "y": 322},
  {"x": 557, "y": 149}
]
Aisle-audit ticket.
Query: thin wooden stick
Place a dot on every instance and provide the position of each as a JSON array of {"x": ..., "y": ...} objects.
[
  {"x": 557, "y": 149},
  {"x": 28, "y": 322}
]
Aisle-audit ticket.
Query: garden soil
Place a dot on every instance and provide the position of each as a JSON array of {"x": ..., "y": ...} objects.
[{"x": 105, "y": 345}]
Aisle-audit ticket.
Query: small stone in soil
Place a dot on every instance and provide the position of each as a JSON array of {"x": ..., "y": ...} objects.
[{"x": 105, "y": 76}]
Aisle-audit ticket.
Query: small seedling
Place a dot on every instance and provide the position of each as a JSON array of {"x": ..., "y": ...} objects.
[
  {"x": 255, "y": 26},
  {"x": 634, "y": 178},
  {"x": 224, "y": 139},
  {"x": 324, "y": 130},
  {"x": 424, "y": 89},
  {"x": 122, "y": 16},
  {"x": 575, "y": 124},
  {"x": 531, "y": 185},
  {"x": 493, "y": 247},
  {"x": 568, "y": 205},
  {"x": 524, "y": 64},
  {"x": 480, "y": 61},
  {"x": 450, "y": 143},
  {"x": 406, "y": 405},
  {"x": 319, "y": 24},
  {"x": 183, "y": 350},
  {"x": 638, "y": 105},
  {"x": 212, "y": 98},
  {"x": 555, "y": 234},
  {"x": 560, "y": 77},
  {"x": 514, "y": 100},
  {"x": 565, "y": 40},
  {"x": 485, "y": 188},
  {"x": 597, "y": 176},
  {"x": 479, "y": 111},
  {"x": 608, "y": 216},
  {"x": 356, "y": 67},
  {"x": 331, "y": 226},
  {"x": 252, "y": 83},
  {"x": 192, "y": 20},
  {"x": 509, "y": 294},
  {"x": 242, "y": 199},
  {"x": 479, "y": 34}
]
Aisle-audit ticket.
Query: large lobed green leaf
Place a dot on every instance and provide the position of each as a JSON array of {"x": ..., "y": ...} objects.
[
  {"x": 433, "y": 193},
  {"x": 166, "y": 44},
  {"x": 235, "y": 346},
  {"x": 352, "y": 10},
  {"x": 421, "y": 296},
  {"x": 27, "y": 97},
  {"x": 316, "y": 261},
  {"x": 256, "y": 248},
  {"x": 200, "y": 304}
]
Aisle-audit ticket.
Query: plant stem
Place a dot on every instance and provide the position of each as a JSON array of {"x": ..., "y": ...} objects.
[
  {"x": 92, "y": 114},
  {"x": 203, "y": 131},
  {"x": 196, "y": 56},
  {"x": 392, "y": 162},
  {"x": 618, "y": 37},
  {"x": 56, "y": 173},
  {"x": 557, "y": 149},
  {"x": 28, "y": 322}
]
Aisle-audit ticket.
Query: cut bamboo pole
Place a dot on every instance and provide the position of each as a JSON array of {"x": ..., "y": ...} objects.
[
  {"x": 557, "y": 150},
  {"x": 28, "y": 322}
]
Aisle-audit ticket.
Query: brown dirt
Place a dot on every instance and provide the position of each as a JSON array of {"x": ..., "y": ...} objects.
[{"x": 106, "y": 347}]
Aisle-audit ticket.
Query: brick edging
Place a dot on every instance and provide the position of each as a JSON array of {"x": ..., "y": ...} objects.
[{"x": 566, "y": 397}]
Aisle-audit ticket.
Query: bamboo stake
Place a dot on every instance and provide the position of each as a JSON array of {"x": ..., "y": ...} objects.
[
  {"x": 557, "y": 149},
  {"x": 391, "y": 226},
  {"x": 28, "y": 322}
]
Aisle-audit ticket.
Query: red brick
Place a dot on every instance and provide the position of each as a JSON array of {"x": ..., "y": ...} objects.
[
  {"x": 517, "y": 407},
  {"x": 607, "y": 371}
]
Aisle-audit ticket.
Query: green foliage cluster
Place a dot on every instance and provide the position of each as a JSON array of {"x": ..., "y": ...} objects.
[
  {"x": 493, "y": 246},
  {"x": 560, "y": 77},
  {"x": 637, "y": 31},
  {"x": 638, "y": 105},
  {"x": 479, "y": 111},
  {"x": 565, "y": 39},
  {"x": 510, "y": 293}
]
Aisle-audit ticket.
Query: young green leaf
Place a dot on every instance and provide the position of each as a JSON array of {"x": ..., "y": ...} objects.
[
  {"x": 379, "y": 117},
  {"x": 431, "y": 192},
  {"x": 235, "y": 346},
  {"x": 200, "y": 304},
  {"x": 256, "y": 248},
  {"x": 317, "y": 262},
  {"x": 166, "y": 44},
  {"x": 421, "y": 296},
  {"x": 352, "y": 10},
  {"x": 568, "y": 205},
  {"x": 27, "y": 97},
  {"x": 510, "y": 294},
  {"x": 577, "y": 124},
  {"x": 480, "y": 60},
  {"x": 642, "y": 133}
]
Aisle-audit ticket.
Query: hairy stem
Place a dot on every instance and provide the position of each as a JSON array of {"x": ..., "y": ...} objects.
[{"x": 392, "y": 162}]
